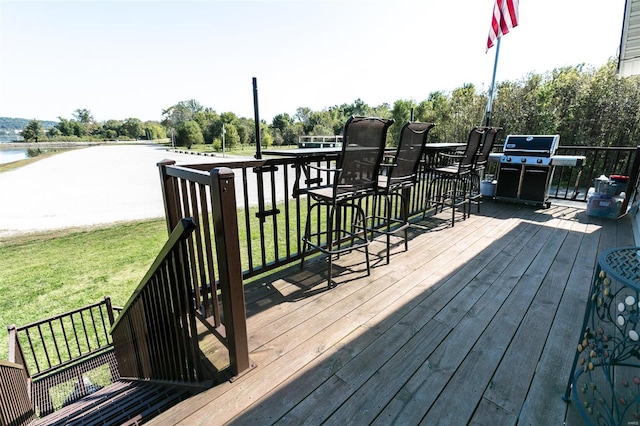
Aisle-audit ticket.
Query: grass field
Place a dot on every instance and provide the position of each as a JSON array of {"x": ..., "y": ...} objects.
[{"x": 45, "y": 274}]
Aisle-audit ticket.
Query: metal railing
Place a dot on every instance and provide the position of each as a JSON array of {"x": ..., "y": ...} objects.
[
  {"x": 221, "y": 233},
  {"x": 272, "y": 204},
  {"x": 574, "y": 182},
  {"x": 155, "y": 336},
  {"x": 58, "y": 341},
  {"x": 271, "y": 213},
  {"x": 58, "y": 354}
]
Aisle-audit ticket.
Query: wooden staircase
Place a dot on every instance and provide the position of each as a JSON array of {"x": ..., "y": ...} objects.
[
  {"x": 125, "y": 402},
  {"x": 105, "y": 365}
]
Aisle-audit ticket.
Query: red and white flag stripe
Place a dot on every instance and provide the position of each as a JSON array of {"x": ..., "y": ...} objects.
[{"x": 505, "y": 17}]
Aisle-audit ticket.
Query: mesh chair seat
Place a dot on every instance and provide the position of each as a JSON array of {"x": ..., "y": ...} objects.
[
  {"x": 453, "y": 169},
  {"x": 331, "y": 194}
]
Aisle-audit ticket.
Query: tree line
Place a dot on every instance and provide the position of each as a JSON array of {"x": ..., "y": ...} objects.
[
  {"x": 585, "y": 105},
  {"x": 84, "y": 127}
]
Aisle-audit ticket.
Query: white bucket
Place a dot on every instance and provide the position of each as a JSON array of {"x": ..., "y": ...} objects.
[{"x": 488, "y": 188}]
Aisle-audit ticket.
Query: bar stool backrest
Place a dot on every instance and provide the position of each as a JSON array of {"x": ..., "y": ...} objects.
[
  {"x": 468, "y": 160},
  {"x": 487, "y": 145},
  {"x": 363, "y": 144},
  {"x": 413, "y": 137}
]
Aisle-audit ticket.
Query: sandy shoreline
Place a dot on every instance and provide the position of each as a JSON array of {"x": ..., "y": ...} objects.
[
  {"x": 98, "y": 185},
  {"x": 31, "y": 145}
]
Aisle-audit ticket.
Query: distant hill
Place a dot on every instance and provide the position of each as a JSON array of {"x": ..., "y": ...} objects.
[{"x": 8, "y": 124}]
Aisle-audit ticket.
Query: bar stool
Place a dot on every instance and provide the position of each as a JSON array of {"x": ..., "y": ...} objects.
[
  {"x": 355, "y": 177},
  {"x": 481, "y": 163},
  {"x": 398, "y": 177},
  {"x": 453, "y": 182}
]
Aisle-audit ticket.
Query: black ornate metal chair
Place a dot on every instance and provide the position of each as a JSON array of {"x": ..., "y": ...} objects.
[
  {"x": 398, "y": 176},
  {"x": 452, "y": 183},
  {"x": 481, "y": 163},
  {"x": 355, "y": 177}
]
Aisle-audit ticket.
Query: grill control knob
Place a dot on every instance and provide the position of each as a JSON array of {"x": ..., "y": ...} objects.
[
  {"x": 523, "y": 160},
  {"x": 539, "y": 161}
]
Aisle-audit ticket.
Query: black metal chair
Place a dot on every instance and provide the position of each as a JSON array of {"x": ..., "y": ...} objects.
[
  {"x": 398, "y": 176},
  {"x": 355, "y": 177},
  {"x": 481, "y": 164},
  {"x": 453, "y": 182}
]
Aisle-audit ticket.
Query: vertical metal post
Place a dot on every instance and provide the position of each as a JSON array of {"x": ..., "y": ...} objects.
[
  {"x": 487, "y": 118},
  {"x": 109, "y": 306},
  {"x": 632, "y": 183},
  {"x": 257, "y": 119},
  {"x": 225, "y": 220},
  {"x": 224, "y": 131}
]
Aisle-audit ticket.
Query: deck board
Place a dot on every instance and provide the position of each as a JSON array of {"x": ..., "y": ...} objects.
[
  {"x": 505, "y": 315},
  {"x": 474, "y": 323}
]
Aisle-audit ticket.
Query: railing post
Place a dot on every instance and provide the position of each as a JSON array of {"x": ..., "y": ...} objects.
[
  {"x": 12, "y": 343},
  {"x": 169, "y": 196},
  {"x": 107, "y": 302},
  {"x": 15, "y": 350},
  {"x": 225, "y": 219},
  {"x": 632, "y": 184}
]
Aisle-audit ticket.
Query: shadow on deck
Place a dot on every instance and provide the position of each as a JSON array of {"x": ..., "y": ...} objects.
[{"x": 475, "y": 323}]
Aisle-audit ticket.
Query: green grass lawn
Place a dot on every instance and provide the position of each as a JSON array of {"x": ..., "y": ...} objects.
[
  {"x": 5, "y": 167},
  {"x": 46, "y": 274},
  {"x": 245, "y": 151}
]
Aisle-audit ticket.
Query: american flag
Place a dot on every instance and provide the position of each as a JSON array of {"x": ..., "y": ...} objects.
[{"x": 505, "y": 17}]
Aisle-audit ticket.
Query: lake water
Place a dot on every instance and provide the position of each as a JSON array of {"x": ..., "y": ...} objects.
[
  {"x": 10, "y": 155},
  {"x": 9, "y": 138}
]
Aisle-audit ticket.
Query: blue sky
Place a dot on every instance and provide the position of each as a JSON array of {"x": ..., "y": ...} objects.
[{"x": 122, "y": 59}]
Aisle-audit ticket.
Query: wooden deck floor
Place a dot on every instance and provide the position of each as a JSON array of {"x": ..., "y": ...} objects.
[{"x": 474, "y": 324}]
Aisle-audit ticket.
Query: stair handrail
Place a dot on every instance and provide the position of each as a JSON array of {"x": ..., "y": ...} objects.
[{"x": 155, "y": 336}]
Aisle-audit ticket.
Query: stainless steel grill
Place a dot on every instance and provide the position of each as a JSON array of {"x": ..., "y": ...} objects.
[
  {"x": 536, "y": 150},
  {"x": 526, "y": 167}
]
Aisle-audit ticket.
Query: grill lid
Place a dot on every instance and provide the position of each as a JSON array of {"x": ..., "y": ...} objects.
[{"x": 531, "y": 145}]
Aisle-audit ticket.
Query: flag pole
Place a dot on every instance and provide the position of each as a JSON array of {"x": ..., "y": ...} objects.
[{"x": 487, "y": 117}]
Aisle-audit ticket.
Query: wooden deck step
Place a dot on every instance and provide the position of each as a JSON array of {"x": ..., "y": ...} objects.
[{"x": 124, "y": 402}]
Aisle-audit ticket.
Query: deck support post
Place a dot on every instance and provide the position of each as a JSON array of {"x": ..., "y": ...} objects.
[
  {"x": 225, "y": 219},
  {"x": 169, "y": 195}
]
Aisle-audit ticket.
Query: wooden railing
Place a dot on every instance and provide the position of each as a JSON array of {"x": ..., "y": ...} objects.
[
  {"x": 55, "y": 361},
  {"x": 264, "y": 196},
  {"x": 210, "y": 199},
  {"x": 156, "y": 337},
  {"x": 15, "y": 405}
]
